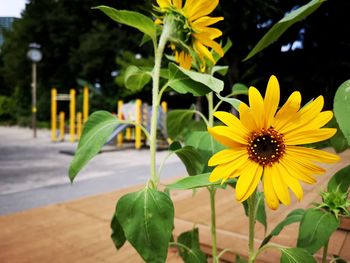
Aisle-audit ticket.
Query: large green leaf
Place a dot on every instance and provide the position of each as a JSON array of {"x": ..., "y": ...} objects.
[
  {"x": 96, "y": 132},
  {"x": 189, "y": 157},
  {"x": 260, "y": 212},
  {"x": 117, "y": 235},
  {"x": 191, "y": 182},
  {"x": 292, "y": 217},
  {"x": 147, "y": 219},
  {"x": 177, "y": 122},
  {"x": 341, "y": 180},
  {"x": 131, "y": 18},
  {"x": 136, "y": 78},
  {"x": 207, "y": 146},
  {"x": 296, "y": 255},
  {"x": 281, "y": 26},
  {"x": 191, "y": 252},
  {"x": 342, "y": 108},
  {"x": 187, "y": 81},
  {"x": 315, "y": 229}
]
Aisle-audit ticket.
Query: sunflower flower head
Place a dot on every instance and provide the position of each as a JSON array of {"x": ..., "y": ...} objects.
[
  {"x": 191, "y": 30},
  {"x": 266, "y": 143}
]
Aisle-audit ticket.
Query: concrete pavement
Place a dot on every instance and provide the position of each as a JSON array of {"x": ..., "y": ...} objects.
[{"x": 33, "y": 172}]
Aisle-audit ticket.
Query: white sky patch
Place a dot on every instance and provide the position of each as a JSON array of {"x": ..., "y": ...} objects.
[{"x": 12, "y": 8}]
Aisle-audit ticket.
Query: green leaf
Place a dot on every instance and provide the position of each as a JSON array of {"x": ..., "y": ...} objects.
[
  {"x": 186, "y": 81},
  {"x": 315, "y": 229},
  {"x": 189, "y": 157},
  {"x": 136, "y": 78},
  {"x": 232, "y": 101},
  {"x": 192, "y": 254},
  {"x": 261, "y": 212},
  {"x": 191, "y": 182},
  {"x": 96, "y": 132},
  {"x": 205, "y": 144},
  {"x": 177, "y": 121},
  {"x": 147, "y": 219},
  {"x": 341, "y": 180},
  {"x": 292, "y": 217},
  {"x": 117, "y": 235},
  {"x": 222, "y": 70},
  {"x": 281, "y": 26},
  {"x": 239, "y": 89},
  {"x": 296, "y": 255},
  {"x": 239, "y": 259},
  {"x": 342, "y": 108},
  {"x": 131, "y": 18}
]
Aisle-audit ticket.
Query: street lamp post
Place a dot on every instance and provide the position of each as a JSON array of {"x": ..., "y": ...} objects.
[{"x": 35, "y": 55}]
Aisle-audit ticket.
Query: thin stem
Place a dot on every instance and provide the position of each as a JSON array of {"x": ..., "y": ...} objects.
[
  {"x": 161, "y": 92},
  {"x": 223, "y": 252},
  {"x": 155, "y": 101},
  {"x": 162, "y": 164},
  {"x": 202, "y": 116},
  {"x": 210, "y": 109},
  {"x": 325, "y": 252},
  {"x": 212, "y": 192},
  {"x": 264, "y": 248},
  {"x": 251, "y": 215}
]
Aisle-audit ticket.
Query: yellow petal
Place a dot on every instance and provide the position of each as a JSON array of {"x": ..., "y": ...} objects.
[
  {"x": 248, "y": 180},
  {"x": 209, "y": 43},
  {"x": 270, "y": 195},
  {"x": 206, "y": 21},
  {"x": 226, "y": 170},
  {"x": 291, "y": 181},
  {"x": 197, "y": 9},
  {"x": 225, "y": 156},
  {"x": 314, "y": 154},
  {"x": 163, "y": 3},
  {"x": 246, "y": 117},
  {"x": 271, "y": 101},
  {"x": 224, "y": 140},
  {"x": 230, "y": 134},
  {"x": 203, "y": 51},
  {"x": 206, "y": 33},
  {"x": 280, "y": 186},
  {"x": 287, "y": 111},
  {"x": 256, "y": 104},
  {"x": 232, "y": 121},
  {"x": 185, "y": 60},
  {"x": 309, "y": 136},
  {"x": 177, "y": 3}
]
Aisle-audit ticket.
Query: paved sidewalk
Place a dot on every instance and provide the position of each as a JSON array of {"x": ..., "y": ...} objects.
[{"x": 33, "y": 172}]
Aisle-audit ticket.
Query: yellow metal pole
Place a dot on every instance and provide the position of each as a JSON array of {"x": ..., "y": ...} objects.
[
  {"x": 62, "y": 120},
  {"x": 138, "y": 121},
  {"x": 72, "y": 116},
  {"x": 79, "y": 124},
  {"x": 165, "y": 107},
  {"x": 85, "y": 103},
  {"x": 53, "y": 114},
  {"x": 120, "y": 117}
]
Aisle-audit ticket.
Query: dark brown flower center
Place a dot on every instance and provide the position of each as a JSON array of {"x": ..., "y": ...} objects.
[{"x": 266, "y": 147}]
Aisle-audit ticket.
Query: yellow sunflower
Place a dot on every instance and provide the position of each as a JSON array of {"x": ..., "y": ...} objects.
[
  {"x": 193, "y": 28},
  {"x": 265, "y": 143}
]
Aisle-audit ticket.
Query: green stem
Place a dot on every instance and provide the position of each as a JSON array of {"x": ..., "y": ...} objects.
[
  {"x": 210, "y": 109},
  {"x": 251, "y": 215},
  {"x": 212, "y": 192},
  {"x": 202, "y": 116},
  {"x": 155, "y": 94},
  {"x": 325, "y": 252}
]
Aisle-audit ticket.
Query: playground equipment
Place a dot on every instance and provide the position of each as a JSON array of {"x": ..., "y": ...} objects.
[
  {"x": 140, "y": 113},
  {"x": 75, "y": 120}
]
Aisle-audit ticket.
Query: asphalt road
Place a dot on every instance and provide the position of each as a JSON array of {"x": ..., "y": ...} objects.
[{"x": 33, "y": 172}]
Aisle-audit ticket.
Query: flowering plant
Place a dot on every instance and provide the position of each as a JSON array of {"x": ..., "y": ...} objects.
[{"x": 263, "y": 143}]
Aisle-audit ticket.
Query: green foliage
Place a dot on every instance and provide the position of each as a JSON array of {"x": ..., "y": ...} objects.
[
  {"x": 7, "y": 108},
  {"x": 315, "y": 229},
  {"x": 239, "y": 89},
  {"x": 232, "y": 101},
  {"x": 260, "y": 212},
  {"x": 340, "y": 180},
  {"x": 189, "y": 157},
  {"x": 191, "y": 182},
  {"x": 136, "y": 78},
  {"x": 279, "y": 28},
  {"x": 186, "y": 81},
  {"x": 117, "y": 235},
  {"x": 296, "y": 255},
  {"x": 96, "y": 132},
  {"x": 190, "y": 251},
  {"x": 132, "y": 19},
  {"x": 292, "y": 217},
  {"x": 342, "y": 108},
  {"x": 147, "y": 219}
]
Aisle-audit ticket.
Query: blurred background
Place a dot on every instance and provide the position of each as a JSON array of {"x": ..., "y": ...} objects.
[{"x": 81, "y": 45}]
